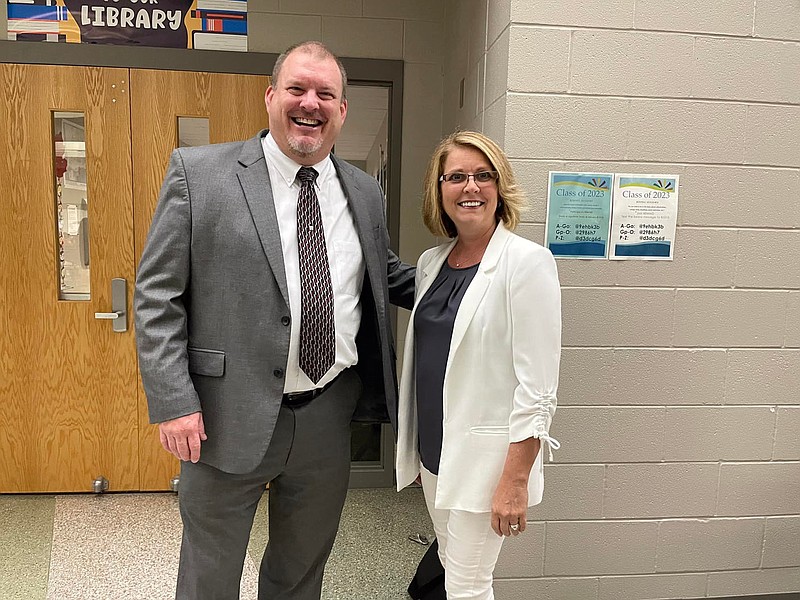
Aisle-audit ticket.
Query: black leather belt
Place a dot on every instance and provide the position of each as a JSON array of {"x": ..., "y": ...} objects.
[{"x": 298, "y": 399}]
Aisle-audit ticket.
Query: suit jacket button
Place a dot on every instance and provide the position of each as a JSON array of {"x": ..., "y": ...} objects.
[
  {"x": 278, "y": 372},
  {"x": 285, "y": 320}
]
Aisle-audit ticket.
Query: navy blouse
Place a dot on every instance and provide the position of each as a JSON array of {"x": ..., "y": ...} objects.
[{"x": 433, "y": 330}]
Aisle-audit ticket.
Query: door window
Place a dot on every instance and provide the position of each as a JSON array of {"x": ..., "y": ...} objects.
[{"x": 72, "y": 217}]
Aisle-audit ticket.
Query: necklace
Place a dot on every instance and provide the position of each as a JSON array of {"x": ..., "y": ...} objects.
[{"x": 468, "y": 259}]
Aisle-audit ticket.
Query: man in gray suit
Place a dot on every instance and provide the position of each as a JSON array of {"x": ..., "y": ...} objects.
[{"x": 262, "y": 322}]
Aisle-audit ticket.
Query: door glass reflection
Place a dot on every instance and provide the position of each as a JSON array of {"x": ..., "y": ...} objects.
[
  {"x": 193, "y": 131},
  {"x": 72, "y": 217}
]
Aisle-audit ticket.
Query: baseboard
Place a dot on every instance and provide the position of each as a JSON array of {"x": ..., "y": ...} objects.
[{"x": 789, "y": 596}]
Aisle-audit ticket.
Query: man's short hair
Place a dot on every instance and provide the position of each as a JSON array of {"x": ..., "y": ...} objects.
[{"x": 315, "y": 48}]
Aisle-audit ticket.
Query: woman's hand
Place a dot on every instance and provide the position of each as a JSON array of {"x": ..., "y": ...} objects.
[
  {"x": 510, "y": 501},
  {"x": 509, "y": 507}
]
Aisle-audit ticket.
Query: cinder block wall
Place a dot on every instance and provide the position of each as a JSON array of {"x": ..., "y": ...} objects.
[{"x": 679, "y": 416}]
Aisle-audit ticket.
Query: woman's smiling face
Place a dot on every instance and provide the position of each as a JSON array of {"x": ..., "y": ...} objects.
[{"x": 471, "y": 205}]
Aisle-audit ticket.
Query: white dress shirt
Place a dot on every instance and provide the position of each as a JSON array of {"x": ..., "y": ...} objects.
[{"x": 345, "y": 259}]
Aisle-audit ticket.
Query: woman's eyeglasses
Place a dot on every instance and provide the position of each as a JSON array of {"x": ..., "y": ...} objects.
[{"x": 459, "y": 178}]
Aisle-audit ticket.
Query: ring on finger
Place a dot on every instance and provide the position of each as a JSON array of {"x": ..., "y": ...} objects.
[{"x": 514, "y": 527}]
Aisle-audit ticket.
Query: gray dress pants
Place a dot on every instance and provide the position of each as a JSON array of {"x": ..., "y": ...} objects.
[{"x": 308, "y": 467}]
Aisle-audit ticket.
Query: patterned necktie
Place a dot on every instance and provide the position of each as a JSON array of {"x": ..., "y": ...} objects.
[{"x": 317, "y": 333}]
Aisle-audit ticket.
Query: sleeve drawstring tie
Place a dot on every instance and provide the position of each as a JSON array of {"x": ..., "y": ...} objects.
[{"x": 552, "y": 444}]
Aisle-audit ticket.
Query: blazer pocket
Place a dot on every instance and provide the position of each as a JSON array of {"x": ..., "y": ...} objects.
[
  {"x": 489, "y": 430},
  {"x": 206, "y": 362}
]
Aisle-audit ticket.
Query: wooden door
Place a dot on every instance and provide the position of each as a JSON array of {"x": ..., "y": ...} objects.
[
  {"x": 68, "y": 382},
  {"x": 71, "y": 405},
  {"x": 234, "y": 107}
]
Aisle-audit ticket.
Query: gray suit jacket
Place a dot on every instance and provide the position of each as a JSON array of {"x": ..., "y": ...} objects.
[{"x": 211, "y": 302}]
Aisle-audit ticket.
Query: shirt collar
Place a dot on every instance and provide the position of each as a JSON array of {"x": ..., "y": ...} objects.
[{"x": 287, "y": 168}]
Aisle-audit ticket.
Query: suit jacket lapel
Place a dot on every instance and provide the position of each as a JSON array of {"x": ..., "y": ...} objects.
[
  {"x": 365, "y": 226},
  {"x": 254, "y": 179}
]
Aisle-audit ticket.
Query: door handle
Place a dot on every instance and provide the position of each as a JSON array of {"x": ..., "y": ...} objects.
[{"x": 119, "y": 298}]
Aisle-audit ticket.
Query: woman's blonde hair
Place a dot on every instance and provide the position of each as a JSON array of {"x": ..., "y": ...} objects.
[{"x": 510, "y": 198}]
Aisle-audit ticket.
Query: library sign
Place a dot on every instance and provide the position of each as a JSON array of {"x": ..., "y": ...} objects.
[{"x": 200, "y": 24}]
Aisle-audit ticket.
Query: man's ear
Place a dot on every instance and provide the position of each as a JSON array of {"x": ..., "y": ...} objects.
[
  {"x": 343, "y": 109},
  {"x": 268, "y": 96}
]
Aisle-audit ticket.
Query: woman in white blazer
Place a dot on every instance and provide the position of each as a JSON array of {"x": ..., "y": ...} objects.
[{"x": 480, "y": 369}]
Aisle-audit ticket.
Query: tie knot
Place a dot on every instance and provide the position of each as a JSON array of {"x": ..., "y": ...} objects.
[{"x": 307, "y": 174}]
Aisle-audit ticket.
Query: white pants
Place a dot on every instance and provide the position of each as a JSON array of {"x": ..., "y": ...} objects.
[{"x": 468, "y": 546}]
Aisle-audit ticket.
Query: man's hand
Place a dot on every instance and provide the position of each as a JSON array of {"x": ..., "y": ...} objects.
[{"x": 182, "y": 436}]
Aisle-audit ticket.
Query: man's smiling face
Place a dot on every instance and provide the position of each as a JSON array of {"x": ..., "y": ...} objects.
[{"x": 305, "y": 106}]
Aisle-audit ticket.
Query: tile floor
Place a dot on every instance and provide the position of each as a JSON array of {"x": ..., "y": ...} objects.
[{"x": 86, "y": 547}]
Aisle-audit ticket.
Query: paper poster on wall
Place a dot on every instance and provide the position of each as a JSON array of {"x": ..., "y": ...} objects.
[
  {"x": 200, "y": 24},
  {"x": 578, "y": 214},
  {"x": 644, "y": 217}
]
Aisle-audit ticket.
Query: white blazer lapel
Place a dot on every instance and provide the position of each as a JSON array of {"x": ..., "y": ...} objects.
[
  {"x": 431, "y": 270},
  {"x": 426, "y": 274},
  {"x": 407, "y": 457},
  {"x": 477, "y": 289}
]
